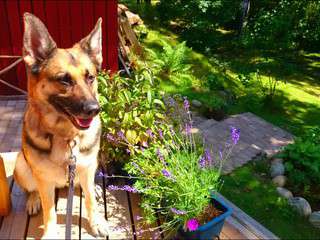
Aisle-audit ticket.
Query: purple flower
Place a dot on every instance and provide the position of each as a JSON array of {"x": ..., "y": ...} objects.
[
  {"x": 110, "y": 137},
  {"x": 100, "y": 174},
  {"x": 235, "y": 135},
  {"x": 171, "y": 101},
  {"x": 178, "y": 212},
  {"x": 220, "y": 154},
  {"x": 188, "y": 128},
  {"x": 128, "y": 151},
  {"x": 150, "y": 133},
  {"x": 137, "y": 167},
  {"x": 121, "y": 135},
  {"x": 160, "y": 134},
  {"x": 207, "y": 156},
  {"x": 166, "y": 173},
  {"x": 192, "y": 224},
  {"x": 123, "y": 188},
  {"x": 138, "y": 218},
  {"x": 202, "y": 162},
  {"x": 186, "y": 104},
  {"x": 159, "y": 154}
]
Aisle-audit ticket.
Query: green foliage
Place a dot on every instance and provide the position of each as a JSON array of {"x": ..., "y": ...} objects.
[
  {"x": 285, "y": 24},
  {"x": 214, "y": 82},
  {"x": 302, "y": 163},
  {"x": 170, "y": 63},
  {"x": 130, "y": 106},
  {"x": 313, "y": 135}
]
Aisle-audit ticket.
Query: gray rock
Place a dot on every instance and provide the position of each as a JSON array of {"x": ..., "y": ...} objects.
[
  {"x": 279, "y": 181},
  {"x": 285, "y": 193},
  {"x": 300, "y": 205},
  {"x": 276, "y": 169},
  {"x": 276, "y": 160},
  {"x": 314, "y": 219},
  {"x": 196, "y": 103}
]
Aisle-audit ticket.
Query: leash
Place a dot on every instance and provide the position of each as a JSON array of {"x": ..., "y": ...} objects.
[{"x": 71, "y": 168}]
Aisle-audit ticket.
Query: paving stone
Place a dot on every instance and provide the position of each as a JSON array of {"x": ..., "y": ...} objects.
[{"x": 256, "y": 137}]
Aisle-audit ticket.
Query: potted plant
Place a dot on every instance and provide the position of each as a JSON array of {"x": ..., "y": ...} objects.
[{"x": 177, "y": 178}]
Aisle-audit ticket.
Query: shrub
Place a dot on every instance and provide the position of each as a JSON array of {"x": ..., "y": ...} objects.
[
  {"x": 302, "y": 164},
  {"x": 214, "y": 82},
  {"x": 130, "y": 108}
]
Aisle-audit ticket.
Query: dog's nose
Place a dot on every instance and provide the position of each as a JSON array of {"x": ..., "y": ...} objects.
[{"x": 91, "y": 108}]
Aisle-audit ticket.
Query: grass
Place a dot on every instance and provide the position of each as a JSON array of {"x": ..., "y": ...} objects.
[{"x": 251, "y": 184}]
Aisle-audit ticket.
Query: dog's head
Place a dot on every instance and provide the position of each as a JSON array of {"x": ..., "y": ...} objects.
[{"x": 63, "y": 79}]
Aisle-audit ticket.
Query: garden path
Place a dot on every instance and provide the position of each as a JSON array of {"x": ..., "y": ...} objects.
[{"x": 257, "y": 137}]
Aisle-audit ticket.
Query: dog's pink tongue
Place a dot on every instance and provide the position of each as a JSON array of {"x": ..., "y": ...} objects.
[{"x": 85, "y": 123}]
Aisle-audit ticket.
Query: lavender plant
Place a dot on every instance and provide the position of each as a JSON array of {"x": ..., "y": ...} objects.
[{"x": 177, "y": 175}]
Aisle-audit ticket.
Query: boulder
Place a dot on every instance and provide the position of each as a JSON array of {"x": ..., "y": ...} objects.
[
  {"x": 279, "y": 181},
  {"x": 196, "y": 103},
  {"x": 314, "y": 219},
  {"x": 300, "y": 205},
  {"x": 276, "y": 169},
  {"x": 285, "y": 193},
  {"x": 276, "y": 160}
]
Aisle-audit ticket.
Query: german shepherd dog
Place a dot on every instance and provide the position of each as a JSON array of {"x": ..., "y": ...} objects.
[{"x": 62, "y": 111}]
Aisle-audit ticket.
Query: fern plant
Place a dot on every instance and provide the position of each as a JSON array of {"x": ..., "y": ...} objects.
[{"x": 171, "y": 63}]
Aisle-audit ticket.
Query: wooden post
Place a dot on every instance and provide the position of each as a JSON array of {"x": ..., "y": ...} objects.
[{"x": 5, "y": 203}]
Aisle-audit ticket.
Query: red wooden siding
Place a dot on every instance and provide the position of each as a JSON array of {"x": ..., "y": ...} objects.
[{"x": 67, "y": 22}]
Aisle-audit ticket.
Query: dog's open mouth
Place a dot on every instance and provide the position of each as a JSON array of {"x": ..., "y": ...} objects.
[{"x": 82, "y": 123}]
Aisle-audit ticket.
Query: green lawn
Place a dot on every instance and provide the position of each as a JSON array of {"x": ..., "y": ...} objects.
[{"x": 251, "y": 184}]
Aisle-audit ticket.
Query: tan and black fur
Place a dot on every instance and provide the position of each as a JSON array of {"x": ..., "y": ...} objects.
[{"x": 62, "y": 91}]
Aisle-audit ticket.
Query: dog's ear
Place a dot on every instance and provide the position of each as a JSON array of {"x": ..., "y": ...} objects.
[
  {"x": 92, "y": 44},
  {"x": 37, "y": 42}
]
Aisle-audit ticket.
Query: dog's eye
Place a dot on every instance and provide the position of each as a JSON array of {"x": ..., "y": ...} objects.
[{"x": 65, "y": 80}]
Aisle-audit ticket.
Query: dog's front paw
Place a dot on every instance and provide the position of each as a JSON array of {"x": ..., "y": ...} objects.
[
  {"x": 99, "y": 227},
  {"x": 33, "y": 204}
]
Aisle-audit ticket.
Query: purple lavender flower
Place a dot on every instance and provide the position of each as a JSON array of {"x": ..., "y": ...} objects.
[
  {"x": 137, "y": 167},
  {"x": 160, "y": 134},
  {"x": 128, "y": 151},
  {"x": 100, "y": 174},
  {"x": 202, "y": 162},
  {"x": 121, "y": 135},
  {"x": 171, "y": 101},
  {"x": 186, "y": 104},
  {"x": 138, "y": 218},
  {"x": 159, "y": 154},
  {"x": 178, "y": 212},
  {"x": 123, "y": 188},
  {"x": 235, "y": 135},
  {"x": 207, "y": 156},
  {"x": 166, "y": 173},
  {"x": 110, "y": 137},
  {"x": 188, "y": 128},
  {"x": 150, "y": 133}
]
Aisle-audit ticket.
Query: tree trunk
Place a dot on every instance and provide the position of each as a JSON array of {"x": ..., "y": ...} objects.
[{"x": 245, "y": 11}]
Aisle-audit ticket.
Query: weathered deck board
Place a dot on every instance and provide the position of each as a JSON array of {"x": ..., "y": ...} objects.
[
  {"x": 121, "y": 209},
  {"x": 142, "y": 230}
]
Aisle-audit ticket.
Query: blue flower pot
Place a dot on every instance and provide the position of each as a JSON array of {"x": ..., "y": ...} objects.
[{"x": 211, "y": 229}]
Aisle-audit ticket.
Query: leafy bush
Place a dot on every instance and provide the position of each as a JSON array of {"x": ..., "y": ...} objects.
[
  {"x": 164, "y": 171},
  {"x": 214, "y": 82},
  {"x": 313, "y": 135},
  {"x": 302, "y": 163},
  {"x": 130, "y": 108}
]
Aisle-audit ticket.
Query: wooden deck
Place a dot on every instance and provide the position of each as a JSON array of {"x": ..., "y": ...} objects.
[{"x": 121, "y": 210}]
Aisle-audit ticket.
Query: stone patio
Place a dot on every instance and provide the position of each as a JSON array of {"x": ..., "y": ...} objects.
[{"x": 257, "y": 137}]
